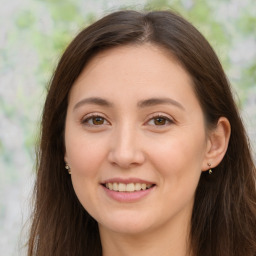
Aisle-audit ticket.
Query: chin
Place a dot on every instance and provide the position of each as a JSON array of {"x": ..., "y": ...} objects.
[
  {"x": 127, "y": 229},
  {"x": 127, "y": 224}
]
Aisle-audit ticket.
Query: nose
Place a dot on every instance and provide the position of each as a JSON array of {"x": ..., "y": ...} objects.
[{"x": 125, "y": 148}]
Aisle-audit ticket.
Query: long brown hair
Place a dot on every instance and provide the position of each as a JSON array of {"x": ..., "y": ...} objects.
[{"x": 224, "y": 216}]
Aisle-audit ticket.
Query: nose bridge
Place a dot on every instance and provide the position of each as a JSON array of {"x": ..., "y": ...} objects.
[{"x": 125, "y": 148}]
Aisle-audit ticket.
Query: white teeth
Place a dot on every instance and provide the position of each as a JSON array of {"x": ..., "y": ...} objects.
[
  {"x": 115, "y": 186},
  {"x": 110, "y": 186},
  {"x": 130, "y": 187},
  {"x": 122, "y": 187},
  {"x": 137, "y": 186}
]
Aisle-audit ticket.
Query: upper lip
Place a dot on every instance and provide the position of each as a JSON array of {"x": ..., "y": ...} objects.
[{"x": 127, "y": 181}]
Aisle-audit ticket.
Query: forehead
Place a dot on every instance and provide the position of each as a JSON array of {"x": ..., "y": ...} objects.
[
  {"x": 138, "y": 71},
  {"x": 147, "y": 57}
]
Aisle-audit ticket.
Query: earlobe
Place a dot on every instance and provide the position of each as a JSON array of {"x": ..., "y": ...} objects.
[
  {"x": 217, "y": 144},
  {"x": 65, "y": 158}
]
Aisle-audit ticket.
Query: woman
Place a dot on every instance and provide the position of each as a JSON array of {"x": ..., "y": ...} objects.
[{"x": 142, "y": 149}]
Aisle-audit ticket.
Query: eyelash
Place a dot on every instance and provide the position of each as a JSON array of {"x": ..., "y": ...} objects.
[{"x": 87, "y": 119}]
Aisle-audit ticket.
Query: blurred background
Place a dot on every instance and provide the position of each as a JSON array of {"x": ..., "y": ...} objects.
[{"x": 33, "y": 35}]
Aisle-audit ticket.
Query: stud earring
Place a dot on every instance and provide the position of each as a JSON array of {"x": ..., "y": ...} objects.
[
  {"x": 68, "y": 168},
  {"x": 210, "y": 170}
]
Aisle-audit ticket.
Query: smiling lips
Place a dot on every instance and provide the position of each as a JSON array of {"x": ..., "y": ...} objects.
[{"x": 127, "y": 190}]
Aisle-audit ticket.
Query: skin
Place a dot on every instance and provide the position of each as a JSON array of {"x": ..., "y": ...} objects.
[{"x": 129, "y": 141}]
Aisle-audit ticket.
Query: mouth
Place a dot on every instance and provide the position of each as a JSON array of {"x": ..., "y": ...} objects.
[{"x": 130, "y": 187}]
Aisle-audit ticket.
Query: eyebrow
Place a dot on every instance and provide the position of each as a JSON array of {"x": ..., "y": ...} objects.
[
  {"x": 159, "y": 101},
  {"x": 94, "y": 101},
  {"x": 141, "y": 104}
]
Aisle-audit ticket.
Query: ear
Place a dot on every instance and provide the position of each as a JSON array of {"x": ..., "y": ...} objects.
[
  {"x": 65, "y": 158},
  {"x": 217, "y": 144}
]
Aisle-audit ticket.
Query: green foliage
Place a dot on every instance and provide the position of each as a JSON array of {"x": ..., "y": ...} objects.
[
  {"x": 159, "y": 4},
  {"x": 250, "y": 74},
  {"x": 1, "y": 147},
  {"x": 247, "y": 24},
  {"x": 8, "y": 109},
  {"x": 64, "y": 11},
  {"x": 25, "y": 19}
]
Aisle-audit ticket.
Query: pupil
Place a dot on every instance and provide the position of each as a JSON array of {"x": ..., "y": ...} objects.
[
  {"x": 97, "y": 120},
  {"x": 160, "y": 121}
]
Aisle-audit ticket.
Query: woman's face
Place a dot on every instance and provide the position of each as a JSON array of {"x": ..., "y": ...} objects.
[{"x": 135, "y": 139}]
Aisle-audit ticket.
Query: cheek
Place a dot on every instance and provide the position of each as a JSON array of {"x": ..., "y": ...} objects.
[
  {"x": 178, "y": 160},
  {"x": 179, "y": 153},
  {"x": 84, "y": 154}
]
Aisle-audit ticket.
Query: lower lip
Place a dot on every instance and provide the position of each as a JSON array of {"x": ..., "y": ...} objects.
[{"x": 128, "y": 197}]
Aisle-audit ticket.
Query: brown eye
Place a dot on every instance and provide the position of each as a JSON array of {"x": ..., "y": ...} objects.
[
  {"x": 97, "y": 120},
  {"x": 160, "y": 121}
]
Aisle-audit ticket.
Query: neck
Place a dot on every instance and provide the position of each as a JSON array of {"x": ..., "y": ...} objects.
[{"x": 170, "y": 239}]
